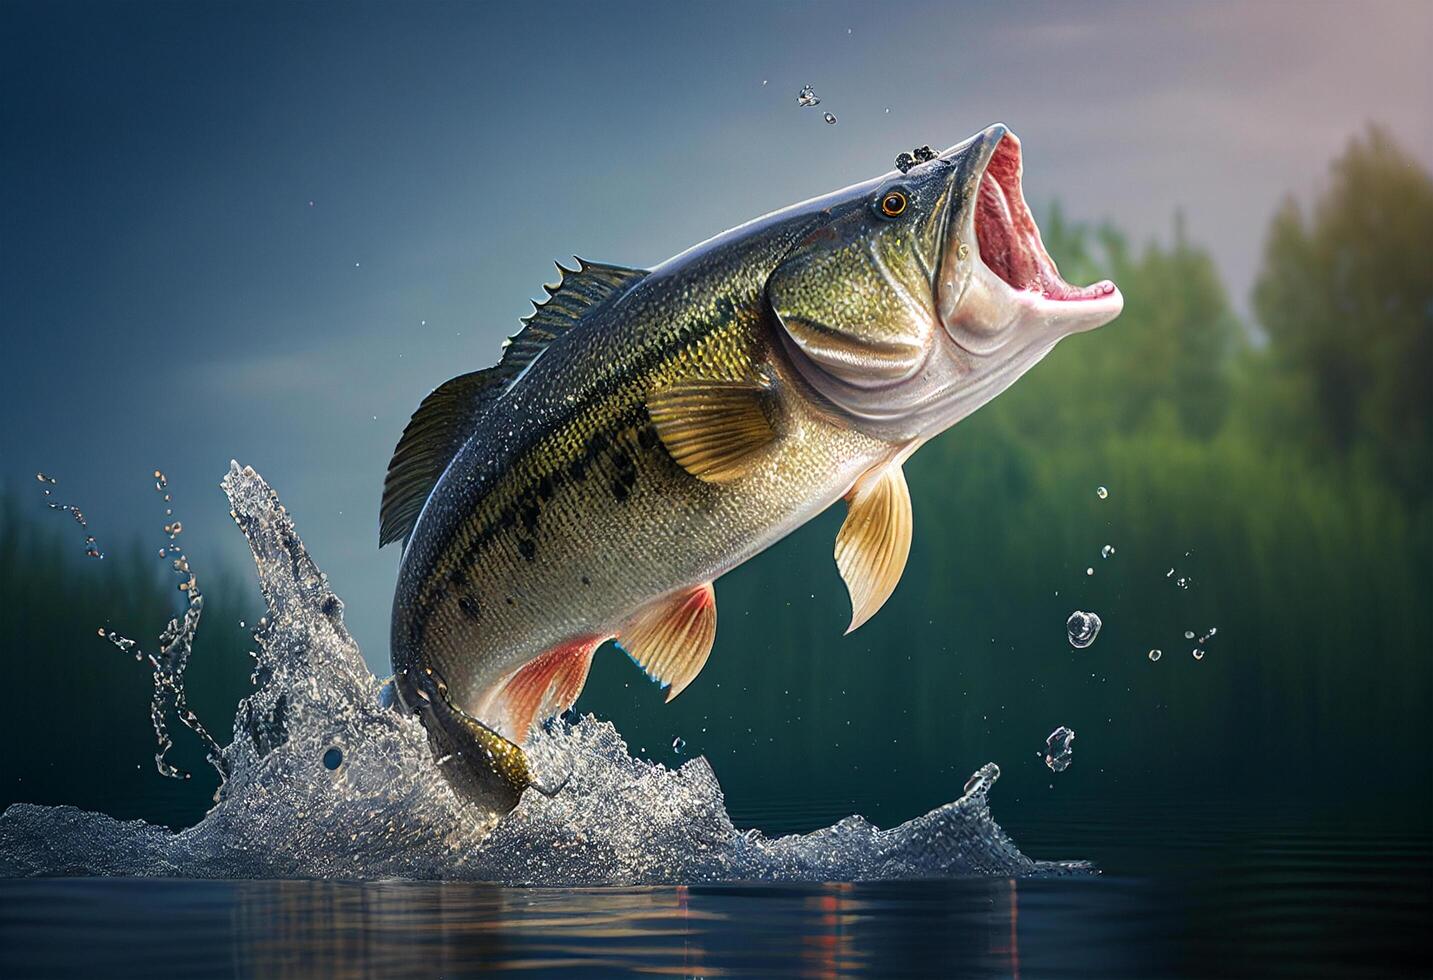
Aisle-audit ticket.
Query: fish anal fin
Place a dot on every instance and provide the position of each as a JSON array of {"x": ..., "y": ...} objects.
[
  {"x": 545, "y": 686},
  {"x": 671, "y": 640},
  {"x": 714, "y": 429},
  {"x": 875, "y": 540}
]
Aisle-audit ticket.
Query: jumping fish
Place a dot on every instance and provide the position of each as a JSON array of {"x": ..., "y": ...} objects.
[{"x": 647, "y": 431}]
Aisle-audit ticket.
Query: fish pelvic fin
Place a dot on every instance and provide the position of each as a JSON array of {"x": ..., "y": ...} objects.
[
  {"x": 672, "y": 639},
  {"x": 715, "y": 429},
  {"x": 875, "y": 540},
  {"x": 545, "y": 686}
]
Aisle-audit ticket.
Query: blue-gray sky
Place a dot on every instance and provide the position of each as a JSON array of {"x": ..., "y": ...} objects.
[{"x": 265, "y": 231}]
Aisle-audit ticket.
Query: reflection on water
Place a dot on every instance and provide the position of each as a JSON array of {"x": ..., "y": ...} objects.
[{"x": 1282, "y": 903}]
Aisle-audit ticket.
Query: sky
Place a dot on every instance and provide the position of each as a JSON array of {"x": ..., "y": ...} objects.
[{"x": 264, "y": 232}]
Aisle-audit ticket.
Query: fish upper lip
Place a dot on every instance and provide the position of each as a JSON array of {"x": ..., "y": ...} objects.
[{"x": 1005, "y": 236}]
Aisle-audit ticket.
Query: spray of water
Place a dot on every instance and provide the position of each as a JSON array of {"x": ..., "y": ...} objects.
[{"x": 323, "y": 781}]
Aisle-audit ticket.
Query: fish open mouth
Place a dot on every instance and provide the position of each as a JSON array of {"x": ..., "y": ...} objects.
[{"x": 1009, "y": 240}]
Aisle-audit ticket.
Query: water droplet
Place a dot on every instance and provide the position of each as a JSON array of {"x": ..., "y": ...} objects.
[
  {"x": 830, "y": 119},
  {"x": 1198, "y": 654},
  {"x": 807, "y": 97},
  {"x": 1155, "y": 654},
  {"x": 1082, "y": 628},
  {"x": 333, "y": 758},
  {"x": 888, "y": 110},
  {"x": 678, "y": 744},
  {"x": 1102, "y": 492},
  {"x": 1060, "y": 749},
  {"x": 1107, "y": 551}
]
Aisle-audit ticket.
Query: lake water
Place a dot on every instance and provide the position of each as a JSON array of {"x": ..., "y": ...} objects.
[{"x": 1185, "y": 890}]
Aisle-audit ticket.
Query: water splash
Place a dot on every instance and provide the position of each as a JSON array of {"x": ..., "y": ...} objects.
[
  {"x": 325, "y": 782},
  {"x": 47, "y": 483},
  {"x": 176, "y": 643}
]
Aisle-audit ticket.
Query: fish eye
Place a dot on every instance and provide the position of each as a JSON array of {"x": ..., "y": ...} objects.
[{"x": 893, "y": 204}]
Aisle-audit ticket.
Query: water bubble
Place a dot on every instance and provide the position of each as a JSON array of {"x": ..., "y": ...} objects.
[
  {"x": 1082, "y": 628},
  {"x": 1155, "y": 655},
  {"x": 160, "y": 480},
  {"x": 333, "y": 758},
  {"x": 174, "y": 528},
  {"x": 1060, "y": 749},
  {"x": 904, "y": 162},
  {"x": 678, "y": 744},
  {"x": 1108, "y": 551},
  {"x": 830, "y": 119},
  {"x": 807, "y": 97},
  {"x": 1208, "y": 636},
  {"x": 1189, "y": 634},
  {"x": 45, "y": 479},
  {"x": 1102, "y": 492},
  {"x": 1089, "y": 571},
  {"x": 924, "y": 154},
  {"x": 1183, "y": 581},
  {"x": 1198, "y": 653}
]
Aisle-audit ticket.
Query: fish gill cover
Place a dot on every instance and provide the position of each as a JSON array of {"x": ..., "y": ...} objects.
[{"x": 322, "y": 781}]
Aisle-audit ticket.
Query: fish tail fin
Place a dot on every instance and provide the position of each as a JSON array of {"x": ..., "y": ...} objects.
[{"x": 479, "y": 764}]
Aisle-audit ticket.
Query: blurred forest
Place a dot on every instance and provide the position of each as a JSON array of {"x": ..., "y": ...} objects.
[{"x": 1279, "y": 468}]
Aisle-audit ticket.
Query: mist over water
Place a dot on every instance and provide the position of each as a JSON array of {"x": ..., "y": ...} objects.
[{"x": 320, "y": 781}]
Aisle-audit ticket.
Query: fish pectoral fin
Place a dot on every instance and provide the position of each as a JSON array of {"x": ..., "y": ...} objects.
[
  {"x": 543, "y": 687},
  {"x": 875, "y": 540},
  {"x": 713, "y": 429},
  {"x": 671, "y": 640}
]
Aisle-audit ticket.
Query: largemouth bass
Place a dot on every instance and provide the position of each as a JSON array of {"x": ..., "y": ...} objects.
[{"x": 647, "y": 431}]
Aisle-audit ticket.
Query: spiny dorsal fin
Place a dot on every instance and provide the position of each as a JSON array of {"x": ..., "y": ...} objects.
[
  {"x": 576, "y": 292},
  {"x": 875, "y": 540},
  {"x": 446, "y": 417},
  {"x": 433, "y": 437},
  {"x": 672, "y": 640},
  {"x": 713, "y": 429}
]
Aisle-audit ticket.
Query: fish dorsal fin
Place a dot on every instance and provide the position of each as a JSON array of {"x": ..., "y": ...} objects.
[
  {"x": 714, "y": 429},
  {"x": 672, "y": 639},
  {"x": 433, "y": 437},
  {"x": 576, "y": 292},
  {"x": 875, "y": 540},
  {"x": 445, "y": 419}
]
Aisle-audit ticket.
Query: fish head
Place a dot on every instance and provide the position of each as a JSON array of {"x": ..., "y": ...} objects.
[{"x": 922, "y": 295}]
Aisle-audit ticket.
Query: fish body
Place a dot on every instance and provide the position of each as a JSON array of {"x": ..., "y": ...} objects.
[{"x": 649, "y": 431}]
